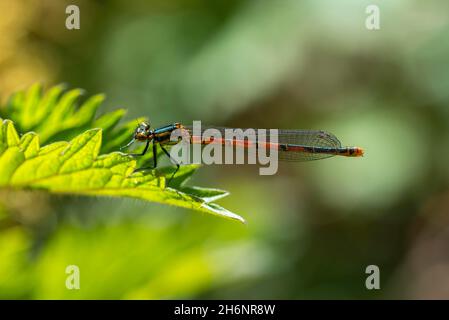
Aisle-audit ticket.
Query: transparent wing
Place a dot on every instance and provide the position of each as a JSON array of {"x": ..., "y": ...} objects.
[
  {"x": 304, "y": 138},
  {"x": 308, "y": 138}
]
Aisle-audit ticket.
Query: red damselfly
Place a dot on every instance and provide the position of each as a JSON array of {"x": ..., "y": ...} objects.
[{"x": 291, "y": 145}]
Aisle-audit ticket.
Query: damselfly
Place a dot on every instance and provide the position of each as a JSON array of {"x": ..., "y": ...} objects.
[{"x": 291, "y": 145}]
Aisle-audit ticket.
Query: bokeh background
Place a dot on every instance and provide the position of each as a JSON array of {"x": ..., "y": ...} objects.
[{"x": 314, "y": 227}]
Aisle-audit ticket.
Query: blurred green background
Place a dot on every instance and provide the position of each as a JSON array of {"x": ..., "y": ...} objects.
[{"x": 314, "y": 227}]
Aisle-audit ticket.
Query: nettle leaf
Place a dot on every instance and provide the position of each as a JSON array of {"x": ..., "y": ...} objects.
[
  {"x": 57, "y": 115},
  {"x": 78, "y": 167}
]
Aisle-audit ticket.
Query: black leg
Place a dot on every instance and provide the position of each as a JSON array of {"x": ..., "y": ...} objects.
[
  {"x": 143, "y": 152},
  {"x": 154, "y": 155},
  {"x": 177, "y": 164}
]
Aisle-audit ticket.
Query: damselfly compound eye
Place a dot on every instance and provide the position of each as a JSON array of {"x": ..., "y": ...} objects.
[
  {"x": 145, "y": 125},
  {"x": 142, "y": 131}
]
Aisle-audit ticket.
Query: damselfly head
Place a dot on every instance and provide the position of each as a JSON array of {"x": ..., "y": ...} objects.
[{"x": 143, "y": 131}]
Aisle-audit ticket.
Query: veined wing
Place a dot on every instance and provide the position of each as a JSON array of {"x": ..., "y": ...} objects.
[{"x": 287, "y": 140}]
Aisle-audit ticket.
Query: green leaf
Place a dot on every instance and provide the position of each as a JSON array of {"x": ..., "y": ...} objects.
[
  {"x": 55, "y": 115},
  {"x": 76, "y": 167}
]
